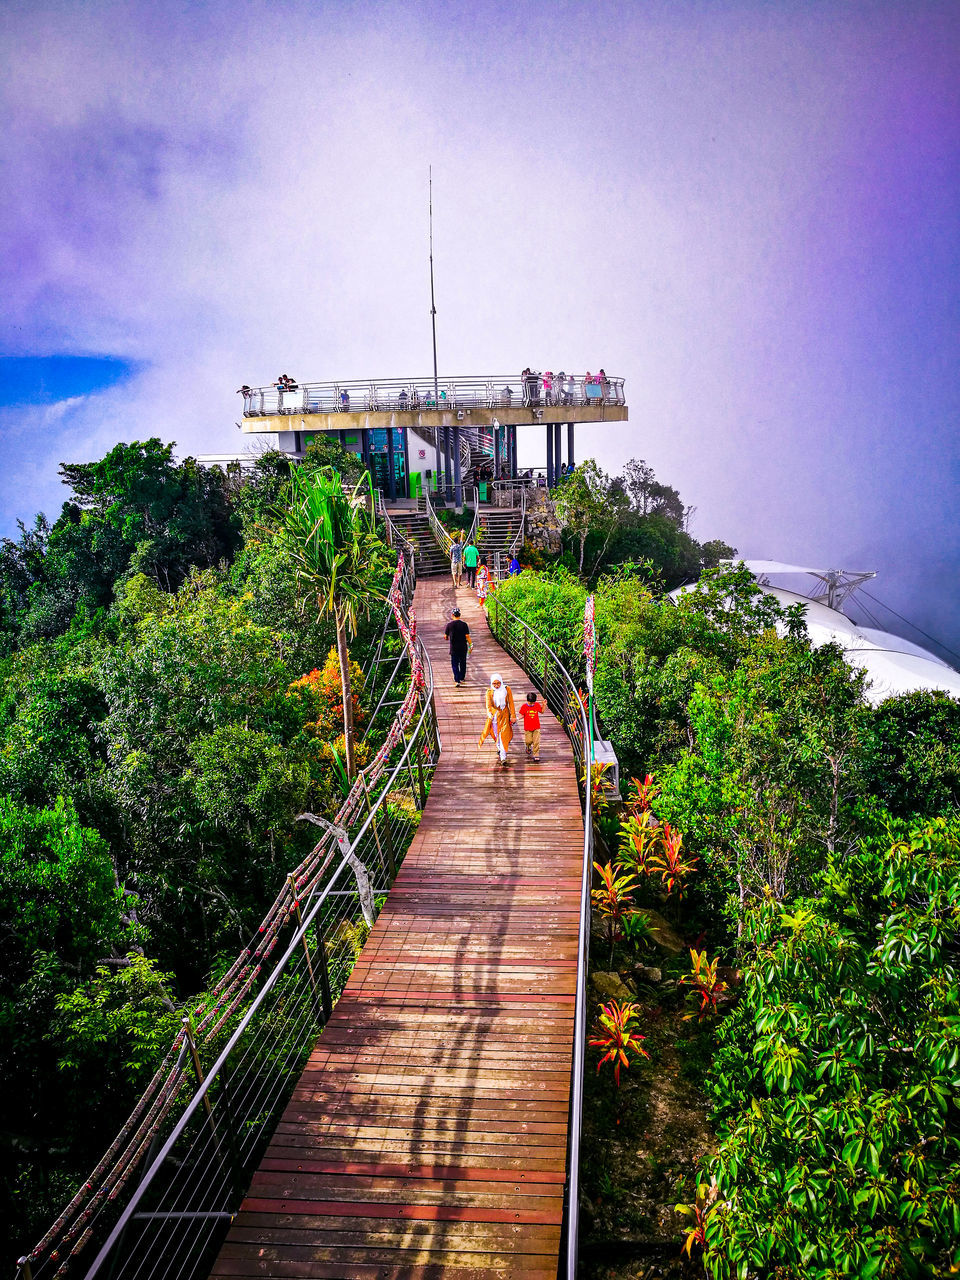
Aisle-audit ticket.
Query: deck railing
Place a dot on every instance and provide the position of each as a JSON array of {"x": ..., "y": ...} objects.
[
  {"x": 197, "y": 1138},
  {"x": 495, "y": 391},
  {"x": 567, "y": 702}
]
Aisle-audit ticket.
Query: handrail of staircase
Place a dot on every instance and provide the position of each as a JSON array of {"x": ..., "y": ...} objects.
[
  {"x": 568, "y": 703},
  {"x": 396, "y": 537},
  {"x": 517, "y": 542},
  {"x": 472, "y": 531},
  {"x": 226, "y": 1110},
  {"x": 444, "y": 540}
]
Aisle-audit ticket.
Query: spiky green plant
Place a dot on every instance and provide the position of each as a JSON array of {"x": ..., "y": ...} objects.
[{"x": 336, "y": 553}]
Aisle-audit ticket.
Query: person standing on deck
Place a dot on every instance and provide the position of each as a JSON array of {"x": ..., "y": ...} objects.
[
  {"x": 501, "y": 717},
  {"x": 530, "y": 715},
  {"x": 471, "y": 557},
  {"x": 456, "y": 560},
  {"x": 458, "y": 636}
]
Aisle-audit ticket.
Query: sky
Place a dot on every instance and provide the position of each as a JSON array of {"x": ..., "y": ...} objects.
[{"x": 749, "y": 211}]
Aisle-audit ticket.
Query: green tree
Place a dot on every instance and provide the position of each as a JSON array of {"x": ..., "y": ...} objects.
[
  {"x": 586, "y": 503},
  {"x": 337, "y": 554},
  {"x": 766, "y": 786},
  {"x": 836, "y": 1086},
  {"x": 911, "y": 758}
]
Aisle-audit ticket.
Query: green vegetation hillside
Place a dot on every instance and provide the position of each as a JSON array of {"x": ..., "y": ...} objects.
[{"x": 167, "y": 708}]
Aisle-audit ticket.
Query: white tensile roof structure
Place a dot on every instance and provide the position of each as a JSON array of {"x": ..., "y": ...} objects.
[{"x": 893, "y": 665}]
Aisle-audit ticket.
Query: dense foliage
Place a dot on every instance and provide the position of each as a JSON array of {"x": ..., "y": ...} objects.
[
  {"x": 837, "y": 1081},
  {"x": 614, "y": 520},
  {"x": 825, "y": 835},
  {"x": 165, "y": 713}
]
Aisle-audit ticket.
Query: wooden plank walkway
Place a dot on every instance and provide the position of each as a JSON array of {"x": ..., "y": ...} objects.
[{"x": 427, "y": 1136}]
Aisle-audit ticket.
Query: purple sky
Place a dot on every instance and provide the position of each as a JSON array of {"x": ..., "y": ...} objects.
[{"x": 750, "y": 211}]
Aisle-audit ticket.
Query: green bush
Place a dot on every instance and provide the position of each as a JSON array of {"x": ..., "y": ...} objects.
[{"x": 838, "y": 1078}]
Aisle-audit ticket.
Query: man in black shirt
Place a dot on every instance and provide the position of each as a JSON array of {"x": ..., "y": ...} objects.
[{"x": 458, "y": 634}]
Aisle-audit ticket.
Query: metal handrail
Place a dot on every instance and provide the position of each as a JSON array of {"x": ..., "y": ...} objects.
[
  {"x": 517, "y": 542},
  {"x": 399, "y": 395},
  {"x": 444, "y": 539},
  {"x": 372, "y": 854},
  {"x": 535, "y": 656}
]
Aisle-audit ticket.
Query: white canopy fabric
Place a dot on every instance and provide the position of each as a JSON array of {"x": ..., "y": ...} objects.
[{"x": 893, "y": 665}]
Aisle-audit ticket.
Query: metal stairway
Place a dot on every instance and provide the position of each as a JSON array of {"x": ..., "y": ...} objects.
[
  {"x": 497, "y": 528},
  {"x": 415, "y": 526}
]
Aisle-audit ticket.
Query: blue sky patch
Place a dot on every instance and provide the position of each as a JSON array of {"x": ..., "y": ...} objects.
[{"x": 47, "y": 379}]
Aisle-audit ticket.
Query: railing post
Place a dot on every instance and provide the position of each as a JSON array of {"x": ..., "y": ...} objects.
[
  {"x": 24, "y": 1270},
  {"x": 386, "y": 854},
  {"x": 326, "y": 1000},
  {"x": 292, "y": 882},
  {"x": 198, "y": 1070},
  {"x": 415, "y": 748},
  {"x": 526, "y": 648}
]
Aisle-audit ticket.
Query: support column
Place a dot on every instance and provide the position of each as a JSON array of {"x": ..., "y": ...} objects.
[
  {"x": 391, "y": 476},
  {"x": 551, "y": 478},
  {"x": 570, "y": 461},
  {"x": 447, "y": 466},
  {"x": 497, "y": 451},
  {"x": 513, "y": 451},
  {"x": 438, "y": 473},
  {"x": 457, "y": 478},
  {"x": 556, "y": 451}
]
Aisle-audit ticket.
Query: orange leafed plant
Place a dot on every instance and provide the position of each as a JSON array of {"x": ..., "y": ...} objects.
[
  {"x": 617, "y": 1037},
  {"x": 638, "y": 836},
  {"x": 642, "y": 794},
  {"x": 704, "y": 983},
  {"x": 698, "y": 1212},
  {"x": 319, "y": 698},
  {"x": 671, "y": 861},
  {"x": 614, "y": 899}
]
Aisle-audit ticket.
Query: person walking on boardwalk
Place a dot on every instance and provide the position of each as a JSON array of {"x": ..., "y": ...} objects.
[
  {"x": 530, "y": 715},
  {"x": 456, "y": 560},
  {"x": 471, "y": 558},
  {"x": 501, "y": 717},
  {"x": 483, "y": 582},
  {"x": 458, "y": 635}
]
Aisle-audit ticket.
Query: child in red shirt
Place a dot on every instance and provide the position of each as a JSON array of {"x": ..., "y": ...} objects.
[{"x": 530, "y": 715}]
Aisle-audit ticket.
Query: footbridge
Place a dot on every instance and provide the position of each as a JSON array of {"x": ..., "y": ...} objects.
[
  {"x": 388, "y": 1081},
  {"x": 429, "y": 1133}
]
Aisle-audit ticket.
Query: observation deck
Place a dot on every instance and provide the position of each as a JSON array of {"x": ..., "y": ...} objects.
[
  {"x": 512, "y": 399},
  {"x": 454, "y": 422}
]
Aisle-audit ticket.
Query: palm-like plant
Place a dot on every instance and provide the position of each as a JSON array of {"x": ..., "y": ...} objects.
[
  {"x": 705, "y": 983},
  {"x": 617, "y": 1036},
  {"x": 336, "y": 552},
  {"x": 614, "y": 900},
  {"x": 671, "y": 860}
]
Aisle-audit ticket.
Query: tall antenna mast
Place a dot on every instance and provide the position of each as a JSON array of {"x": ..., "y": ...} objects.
[{"x": 433, "y": 305}]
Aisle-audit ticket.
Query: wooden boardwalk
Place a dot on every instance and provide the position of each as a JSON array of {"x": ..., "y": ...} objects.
[{"x": 427, "y": 1136}]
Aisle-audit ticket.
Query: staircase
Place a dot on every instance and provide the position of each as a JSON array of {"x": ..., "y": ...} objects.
[
  {"x": 415, "y": 526},
  {"x": 497, "y": 529}
]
